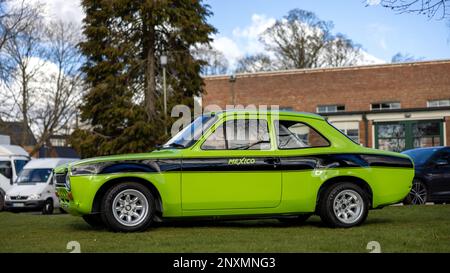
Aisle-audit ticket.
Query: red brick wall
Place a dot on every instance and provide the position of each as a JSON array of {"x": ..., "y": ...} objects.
[{"x": 357, "y": 88}]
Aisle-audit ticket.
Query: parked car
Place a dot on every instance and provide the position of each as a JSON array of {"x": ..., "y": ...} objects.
[
  {"x": 432, "y": 177},
  {"x": 34, "y": 189},
  {"x": 12, "y": 160},
  {"x": 235, "y": 164}
]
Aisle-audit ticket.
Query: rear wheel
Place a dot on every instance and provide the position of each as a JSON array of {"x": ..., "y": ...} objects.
[
  {"x": 94, "y": 220},
  {"x": 128, "y": 207},
  {"x": 418, "y": 194},
  {"x": 297, "y": 220},
  {"x": 343, "y": 205},
  {"x": 48, "y": 207}
]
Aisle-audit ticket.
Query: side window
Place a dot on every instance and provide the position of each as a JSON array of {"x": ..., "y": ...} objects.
[
  {"x": 19, "y": 164},
  {"x": 296, "y": 135},
  {"x": 239, "y": 134},
  {"x": 5, "y": 169}
]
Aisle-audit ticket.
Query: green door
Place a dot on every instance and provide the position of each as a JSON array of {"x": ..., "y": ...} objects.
[
  {"x": 404, "y": 135},
  {"x": 233, "y": 168}
]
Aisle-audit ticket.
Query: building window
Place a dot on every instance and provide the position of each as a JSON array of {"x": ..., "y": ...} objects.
[
  {"x": 385, "y": 106},
  {"x": 438, "y": 103},
  {"x": 405, "y": 135},
  {"x": 58, "y": 142},
  {"x": 286, "y": 108},
  {"x": 330, "y": 108}
]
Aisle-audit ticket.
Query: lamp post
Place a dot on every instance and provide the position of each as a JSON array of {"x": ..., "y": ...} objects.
[{"x": 163, "y": 61}]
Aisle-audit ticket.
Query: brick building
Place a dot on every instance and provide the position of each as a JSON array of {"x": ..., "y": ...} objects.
[{"x": 392, "y": 106}]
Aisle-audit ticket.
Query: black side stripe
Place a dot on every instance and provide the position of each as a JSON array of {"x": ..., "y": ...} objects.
[{"x": 324, "y": 161}]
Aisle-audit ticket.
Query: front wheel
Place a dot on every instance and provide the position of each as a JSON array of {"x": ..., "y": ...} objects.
[
  {"x": 128, "y": 207},
  {"x": 418, "y": 194},
  {"x": 343, "y": 205},
  {"x": 48, "y": 207}
]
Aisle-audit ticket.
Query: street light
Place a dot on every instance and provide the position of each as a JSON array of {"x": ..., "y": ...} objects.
[{"x": 163, "y": 61}]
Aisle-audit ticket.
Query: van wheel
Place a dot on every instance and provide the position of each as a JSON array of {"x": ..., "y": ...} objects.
[
  {"x": 343, "y": 205},
  {"x": 128, "y": 207},
  {"x": 2, "y": 202},
  {"x": 94, "y": 220},
  {"x": 48, "y": 207}
]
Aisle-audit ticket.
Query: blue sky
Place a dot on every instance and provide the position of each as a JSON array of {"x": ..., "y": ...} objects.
[{"x": 380, "y": 31}]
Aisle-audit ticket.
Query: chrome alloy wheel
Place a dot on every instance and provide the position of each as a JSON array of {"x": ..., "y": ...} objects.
[
  {"x": 348, "y": 206},
  {"x": 130, "y": 207},
  {"x": 418, "y": 194}
]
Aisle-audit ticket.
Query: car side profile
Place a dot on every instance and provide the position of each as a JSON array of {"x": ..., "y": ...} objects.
[
  {"x": 432, "y": 175},
  {"x": 238, "y": 164}
]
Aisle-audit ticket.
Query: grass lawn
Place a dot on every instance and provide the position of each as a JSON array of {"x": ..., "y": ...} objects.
[{"x": 397, "y": 229}]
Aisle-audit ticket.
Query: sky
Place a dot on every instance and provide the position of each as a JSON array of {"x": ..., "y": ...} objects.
[{"x": 381, "y": 31}]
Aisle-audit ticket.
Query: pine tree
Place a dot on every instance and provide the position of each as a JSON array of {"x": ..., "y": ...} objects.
[{"x": 124, "y": 41}]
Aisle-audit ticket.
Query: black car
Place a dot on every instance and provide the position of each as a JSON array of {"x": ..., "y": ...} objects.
[{"x": 432, "y": 178}]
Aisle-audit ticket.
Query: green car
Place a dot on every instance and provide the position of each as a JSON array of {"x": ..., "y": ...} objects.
[{"x": 238, "y": 164}]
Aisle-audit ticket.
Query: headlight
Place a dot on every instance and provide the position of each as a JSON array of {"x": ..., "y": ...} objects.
[
  {"x": 68, "y": 181},
  {"x": 7, "y": 198},
  {"x": 34, "y": 197}
]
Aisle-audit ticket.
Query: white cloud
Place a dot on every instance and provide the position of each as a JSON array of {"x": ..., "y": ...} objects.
[
  {"x": 228, "y": 47},
  {"x": 65, "y": 10},
  {"x": 373, "y": 2}
]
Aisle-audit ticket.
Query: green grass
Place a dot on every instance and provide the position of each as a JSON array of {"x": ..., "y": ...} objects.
[{"x": 397, "y": 229}]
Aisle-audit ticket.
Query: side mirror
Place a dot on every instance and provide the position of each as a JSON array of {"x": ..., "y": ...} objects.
[{"x": 9, "y": 174}]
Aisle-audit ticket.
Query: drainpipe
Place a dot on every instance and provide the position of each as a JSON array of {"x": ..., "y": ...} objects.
[{"x": 366, "y": 129}]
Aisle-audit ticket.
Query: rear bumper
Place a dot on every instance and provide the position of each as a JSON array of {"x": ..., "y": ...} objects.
[{"x": 25, "y": 205}]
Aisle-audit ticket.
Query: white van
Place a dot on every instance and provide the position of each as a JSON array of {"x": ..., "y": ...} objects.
[
  {"x": 34, "y": 189},
  {"x": 12, "y": 160}
]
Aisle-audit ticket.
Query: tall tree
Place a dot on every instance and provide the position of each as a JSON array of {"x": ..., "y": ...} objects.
[
  {"x": 124, "y": 39},
  {"x": 430, "y": 8},
  {"x": 216, "y": 63},
  {"x": 255, "y": 63},
  {"x": 15, "y": 18},
  {"x": 302, "y": 40}
]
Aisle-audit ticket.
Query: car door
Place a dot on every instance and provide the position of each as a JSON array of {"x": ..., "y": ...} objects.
[
  {"x": 232, "y": 168},
  {"x": 439, "y": 171}
]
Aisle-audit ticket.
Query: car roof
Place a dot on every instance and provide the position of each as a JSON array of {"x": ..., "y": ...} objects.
[
  {"x": 269, "y": 112},
  {"x": 48, "y": 163}
]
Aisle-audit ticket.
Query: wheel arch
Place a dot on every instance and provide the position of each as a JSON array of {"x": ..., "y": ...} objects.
[
  {"x": 346, "y": 178},
  {"x": 96, "y": 205}
]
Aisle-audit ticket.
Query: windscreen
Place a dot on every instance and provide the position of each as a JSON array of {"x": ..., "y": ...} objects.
[{"x": 34, "y": 176}]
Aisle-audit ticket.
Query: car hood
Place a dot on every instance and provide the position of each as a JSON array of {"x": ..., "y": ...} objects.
[
  {"x": 157, "y": 154},
  {"x": 26, "y": 190}
]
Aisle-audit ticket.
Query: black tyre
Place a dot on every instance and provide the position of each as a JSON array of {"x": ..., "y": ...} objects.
[
  {"x": 2, "y": 202},
  {"x": 128, "y": 207},
  {"x": 296, "y": 220},
  {"x": 48, "y": 207},
  {"x": 343, "y": 205},
  {"x": 418, "y": 194},
  {"x": 94, "y": 220}
]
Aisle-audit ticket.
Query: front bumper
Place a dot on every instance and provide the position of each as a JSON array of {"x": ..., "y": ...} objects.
[{"x": 24, "y": 205}]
